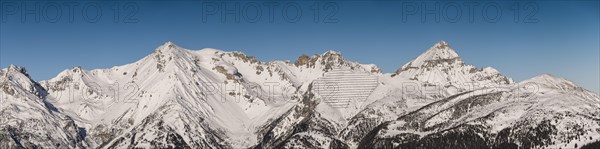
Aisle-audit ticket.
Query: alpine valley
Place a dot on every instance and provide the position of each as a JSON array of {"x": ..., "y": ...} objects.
[{"x": 208, "y": 98}]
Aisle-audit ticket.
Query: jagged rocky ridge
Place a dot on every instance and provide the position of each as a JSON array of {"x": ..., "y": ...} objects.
[
  {"x": 179, "y": 98},
  {"x": 28, "y": 120}
]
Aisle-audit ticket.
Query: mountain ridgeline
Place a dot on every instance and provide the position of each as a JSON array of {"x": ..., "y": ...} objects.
[{"x": 208, "y": 98}]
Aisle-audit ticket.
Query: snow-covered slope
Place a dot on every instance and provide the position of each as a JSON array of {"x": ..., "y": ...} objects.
[
  {"x": 203, "y": 98},
  {"x": 174, "y": 96},
  {"x": 540, "y": 112},
  {"x": 208, "y": 98},
  {"x": 28, "y": 120}
]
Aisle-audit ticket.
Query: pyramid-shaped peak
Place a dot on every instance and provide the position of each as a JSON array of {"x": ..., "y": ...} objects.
[
  {"x": 15, "y": 68},
  {"x": 168, "y": 46},
  {"x": 12, "y": 67},
  {"x": 441, "y": 45},
  {"x": 440, "y": 51}
]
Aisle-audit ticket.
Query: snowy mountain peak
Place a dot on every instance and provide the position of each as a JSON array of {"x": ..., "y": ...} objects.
[
  {"x": 547, "y": 78},
  {"x": 441, "y": 44},
  {"x": 209, "y": 51},
  {"x": 169, "y": 43},
  {"x": 551, "y": 81},
  {"x": 329, "y": 57},
  {"x": 77, "y": 69},
  {"x": 169, "y": 53},
  {"x": 441, "y": 65},
  {"x": 438, "y": 53},
  {"x": 12, "y": 66},
  {"x": 333, "y": 59},
  {"x": 19, "y": 78},
  {"x": 12, "y": 69},
  {"x": 168, "y": 47},
  {"x": 73, "y": 71},
  {"x": 331, "y": 52},
  {"x": 67, "y": 75},
  {"x": 16, "y": 69}
]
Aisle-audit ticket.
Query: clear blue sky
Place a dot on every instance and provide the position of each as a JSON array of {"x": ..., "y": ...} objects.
[{"x": 557, "y": 37}]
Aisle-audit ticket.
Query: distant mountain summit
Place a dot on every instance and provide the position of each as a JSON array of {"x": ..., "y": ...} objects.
[
  {"x": 209, "y": 98},
  {"x": 440, "y": 53},
  {"x": 441, "y": 65}
]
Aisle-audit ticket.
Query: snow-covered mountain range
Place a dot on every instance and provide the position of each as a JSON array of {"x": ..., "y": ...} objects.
[{"x": 208, "y": 98}]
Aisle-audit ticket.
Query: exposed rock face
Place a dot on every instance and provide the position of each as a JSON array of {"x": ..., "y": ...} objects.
[{"x": 330, "y": 60}]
